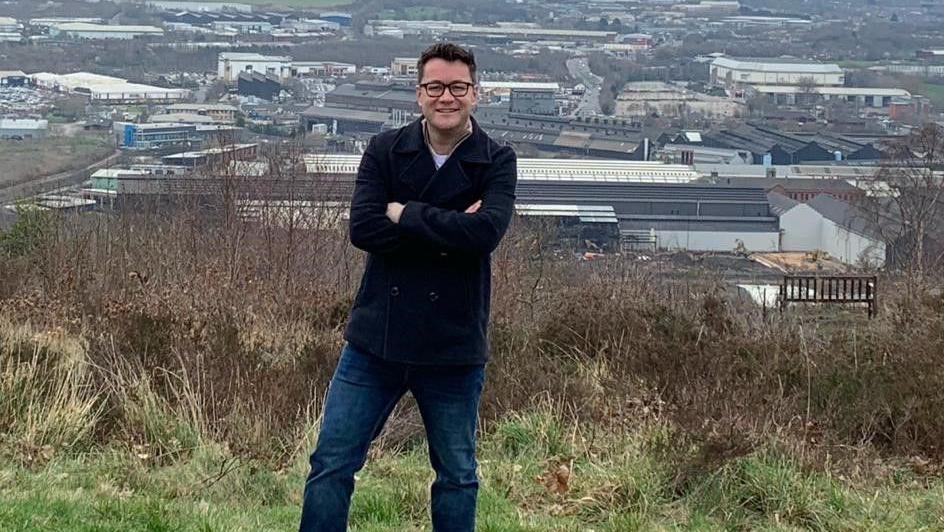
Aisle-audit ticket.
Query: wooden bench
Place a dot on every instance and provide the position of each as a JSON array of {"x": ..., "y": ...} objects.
[{"x": 845, "y": 289}]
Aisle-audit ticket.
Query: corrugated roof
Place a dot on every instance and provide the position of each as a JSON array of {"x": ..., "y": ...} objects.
[
  {"x": 780, "y": 204},
  {"x": 784, "y": 64}
]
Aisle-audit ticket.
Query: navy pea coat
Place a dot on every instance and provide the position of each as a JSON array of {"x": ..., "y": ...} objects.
[{"x": 424, "y": 297}]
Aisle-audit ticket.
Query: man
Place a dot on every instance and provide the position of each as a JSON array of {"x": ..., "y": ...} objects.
[{"x": 431, "y": 201}]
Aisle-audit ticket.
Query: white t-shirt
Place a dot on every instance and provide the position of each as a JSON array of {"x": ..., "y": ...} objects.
[{"x": 439, "y": 159}]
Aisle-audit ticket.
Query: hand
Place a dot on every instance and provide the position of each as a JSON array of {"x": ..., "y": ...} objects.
[
  {"x": 474, "y": 208},
  {"x": 394, "y": 210}
]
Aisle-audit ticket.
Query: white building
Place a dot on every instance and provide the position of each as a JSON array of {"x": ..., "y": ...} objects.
[
  {"x": 85, "y": 30},
  {"x": 208, "y": 7},
  {"x": 827, "y": 224},
  {"x": 106, "y": 89},
  {"x": 9, "y": 25},
  {"x": 863, "y": 96},
  {"x": 230, "y": 64},
  {"x": 22, "y": 128},
  {"x": 734, "y": 73},
  {"x": 645, "y": 98},
  {"x": 403, "y": 66},
  {"x": 323, "y": 69}
]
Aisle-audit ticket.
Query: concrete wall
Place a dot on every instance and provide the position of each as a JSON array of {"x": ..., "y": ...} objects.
[
  {"x": 851, "y": 248},
  {"x": 802, "y": 229},
  {"x": 716, "y": 241}
]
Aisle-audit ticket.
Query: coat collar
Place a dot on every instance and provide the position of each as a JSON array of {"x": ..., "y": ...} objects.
[{"x": 475, "y": 149}]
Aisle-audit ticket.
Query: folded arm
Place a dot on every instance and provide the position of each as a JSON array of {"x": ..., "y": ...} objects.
[{"x": 476, "y": 232}]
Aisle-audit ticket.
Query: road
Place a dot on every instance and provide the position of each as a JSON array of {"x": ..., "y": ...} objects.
[{"x": 579, "y": 69}]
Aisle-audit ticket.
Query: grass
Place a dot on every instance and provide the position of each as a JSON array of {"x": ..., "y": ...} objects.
[
  {"x": 158, "y": 377},
  {"x": 935, "y": 93},
  {"x": 301, "y": 3},
  {"x": 26, "y": 159},
  {"x": 617, "y": 482}
]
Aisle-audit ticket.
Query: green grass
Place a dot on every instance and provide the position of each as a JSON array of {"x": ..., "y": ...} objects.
[
  {"x": 300, "y": 3},
  {"x": 935, "y": 93},
  {"x": 619, "y": 482}
]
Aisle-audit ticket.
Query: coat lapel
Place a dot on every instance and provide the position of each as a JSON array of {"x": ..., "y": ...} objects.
[
  {"x": 451, "y": 179},
  {"x": 414, "y": 162}
]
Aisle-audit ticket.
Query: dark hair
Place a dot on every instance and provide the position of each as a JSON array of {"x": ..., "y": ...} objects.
[{"x": 447, "y": 52}]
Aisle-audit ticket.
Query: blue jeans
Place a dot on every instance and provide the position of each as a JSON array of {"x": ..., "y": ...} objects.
[{"x": 361, "y": 396}]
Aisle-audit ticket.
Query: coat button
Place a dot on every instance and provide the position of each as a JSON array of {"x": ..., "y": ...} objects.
[
  {"x": 433, "y": 296},
  {"x": 395, "y": 291}
]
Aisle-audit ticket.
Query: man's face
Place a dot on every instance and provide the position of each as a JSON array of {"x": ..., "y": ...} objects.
[{"x": 446, "y": 112}]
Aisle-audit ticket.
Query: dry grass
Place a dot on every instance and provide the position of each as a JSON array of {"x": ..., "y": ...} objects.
[
  {"x": 28, "y": 159},
  {"x": 172, "y": 337}
]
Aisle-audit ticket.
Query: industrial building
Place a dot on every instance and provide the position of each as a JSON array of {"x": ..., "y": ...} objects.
[
  {"x": 156, "y": 136},
  {"x": 10, "y": 30},
  {"x": 13, "y": 78},
  {"x": 211, "y": 156},
  {"x": 637, "y": 204},
  {"x": 736, "y": 73},
  {"x": 259, "y": 85},
  {"x": 85, "y": 30},
  {"x": 341, "y": 18},
  {"x": 769, "y": 146},
  {"x": 222, "y": 113},
  {"x": 22, "y": 128},
  {"x": 864, "y": 97},
  {"x": 107, "y": 89},
  {"x": 323, "y": 69},
  {"x": 231, "y": 64},
  {"x": 404, "y": 66},
  {"x": 827, "y": 224},
  {"x": 655, "y": 98},
  {"x": 797, "y": 188},
  {"x": 208, "y": 7}
]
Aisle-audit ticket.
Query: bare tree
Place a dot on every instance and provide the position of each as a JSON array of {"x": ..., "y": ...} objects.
[
  {"x": 907, "y": 205},
  {"x": 807, "y": 90}
]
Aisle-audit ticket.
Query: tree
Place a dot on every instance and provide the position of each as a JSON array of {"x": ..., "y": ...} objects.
[
  {"x": 806, "y": 91},
  {"x": 907, "y": 205}
]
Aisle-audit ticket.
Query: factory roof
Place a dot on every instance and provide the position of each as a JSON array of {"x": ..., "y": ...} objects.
[
  {"x": 593, "y": 170},
  {"x": 524, "y": 85},
  {"x": 832, "y": 91},
  {"x": 201, "y": 107},
  {"x": 338, "y": 113},
  {"x": 248, "y": 56},
  {"x": 843, "y": 214},
  {"x": 781, "y": 64},
  {"x": 779, "y": 203},
  {"x": 102, "y": 85},
  {"x": 107, "y": 28},
  {"x": 23, "y": 123}
]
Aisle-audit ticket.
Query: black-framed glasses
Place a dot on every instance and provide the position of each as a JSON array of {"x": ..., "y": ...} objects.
[{"x": 435, "y": 89}]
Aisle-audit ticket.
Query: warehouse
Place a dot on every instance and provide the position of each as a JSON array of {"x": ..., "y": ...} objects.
[
  {"x": 734, "y": 73},
  {"x": 209, "y": 7},
  {"x": 106, "y": 89},
  {"x": 655, "y": 98},
  {"x": 865, "y": 97},
  {"x": 231, "y": 64},
  {"x": 22, "y": 128},
  {"x": 340, "y": 121},
  {"x": 827, "y": 224},
  {"x": 85, "y": 30}
]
